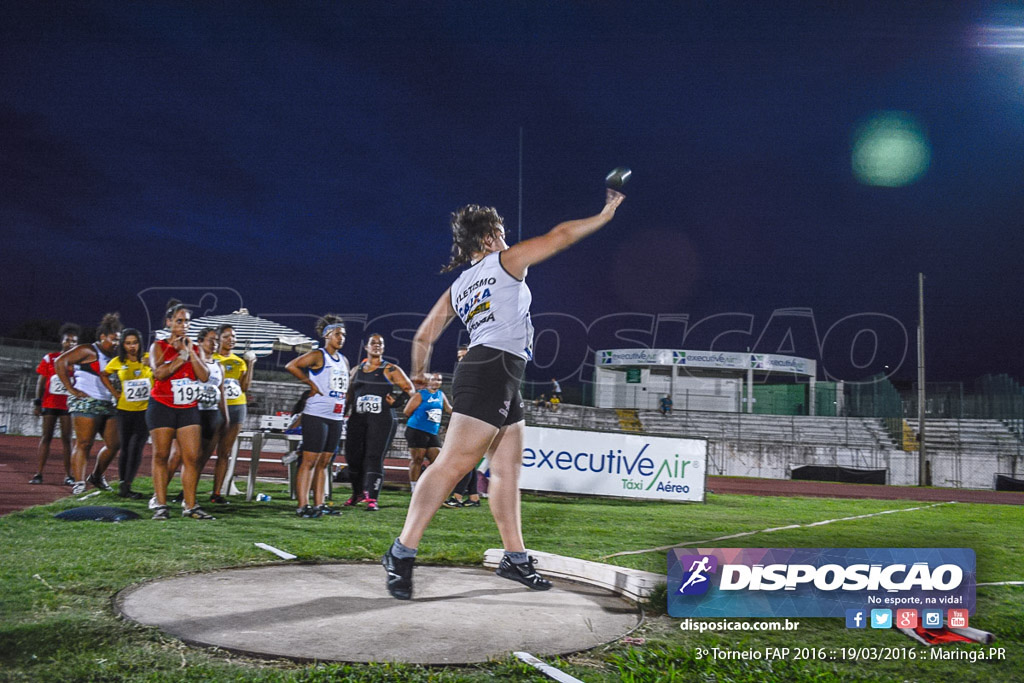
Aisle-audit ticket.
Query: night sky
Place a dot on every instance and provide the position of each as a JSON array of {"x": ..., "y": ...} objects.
[{"x": 299, "y": 158}]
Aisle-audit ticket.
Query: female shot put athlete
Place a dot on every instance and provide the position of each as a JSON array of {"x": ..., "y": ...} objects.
[{"x": 493, "y": 302}]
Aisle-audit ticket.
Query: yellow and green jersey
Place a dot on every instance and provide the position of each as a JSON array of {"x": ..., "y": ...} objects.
[
  {"x": 136, "y": 380},
  {"x": 234, "y": 368}
]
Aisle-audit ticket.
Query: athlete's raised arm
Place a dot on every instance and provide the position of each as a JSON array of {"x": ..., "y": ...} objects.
[{"x": 519, "y": 257}]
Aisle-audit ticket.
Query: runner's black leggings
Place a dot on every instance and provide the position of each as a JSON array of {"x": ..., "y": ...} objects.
[
  {"x": 368, "y": 439},
  {"x": 467, "y": 487},
  {"x": 131, "y": 425}
]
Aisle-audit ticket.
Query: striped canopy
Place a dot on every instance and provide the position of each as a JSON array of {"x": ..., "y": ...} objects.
[{"x": 259, "y": 335}]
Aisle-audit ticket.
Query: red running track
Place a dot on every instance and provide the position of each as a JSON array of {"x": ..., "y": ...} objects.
[{"x": 18, "y": 464}]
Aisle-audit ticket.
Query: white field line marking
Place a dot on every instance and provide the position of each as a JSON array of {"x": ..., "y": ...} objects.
[
  {"x": 1002, "y": 583},
  {"x": 771, "y": 529},
  {"x": 546, "y": 669},
  {"x": 277, "y": 551}
]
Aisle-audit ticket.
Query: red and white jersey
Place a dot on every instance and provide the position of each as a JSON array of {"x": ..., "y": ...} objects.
[
  {"x": 87, "y": 376},
  {"x": 55, "y": 394}
]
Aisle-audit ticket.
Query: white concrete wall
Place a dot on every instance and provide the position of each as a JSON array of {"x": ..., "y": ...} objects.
[
  {"x": 16, "y": 417},
  {"x": 774, "y": 461}
]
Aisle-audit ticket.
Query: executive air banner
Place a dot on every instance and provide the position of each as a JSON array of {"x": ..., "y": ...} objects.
[{"x": 614, "y": 464}]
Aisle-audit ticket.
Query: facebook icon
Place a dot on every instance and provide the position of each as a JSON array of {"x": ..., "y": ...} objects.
[{"x": 856, "y": 618}]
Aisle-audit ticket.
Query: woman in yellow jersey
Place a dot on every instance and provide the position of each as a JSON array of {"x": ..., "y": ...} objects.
[
  {"x": 134, "y": 379},
  {"x": 237, "y": 378}
]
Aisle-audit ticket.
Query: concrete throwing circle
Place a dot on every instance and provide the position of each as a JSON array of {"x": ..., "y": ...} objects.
[{"x": 343, "y": 613}]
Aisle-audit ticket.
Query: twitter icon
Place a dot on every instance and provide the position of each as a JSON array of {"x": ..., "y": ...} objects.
[{"x": 881, "y": 618}]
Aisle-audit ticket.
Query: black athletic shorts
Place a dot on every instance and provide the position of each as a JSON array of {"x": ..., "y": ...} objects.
[
  {"x": 55, "y": 411},
  {"x": 417, "y": 438},
  {"x": 210, "y": 421},
  {"x": 159, "y": 416},
  {"x": 320, "y": 435},
  {"x": 486, "y": 386}
]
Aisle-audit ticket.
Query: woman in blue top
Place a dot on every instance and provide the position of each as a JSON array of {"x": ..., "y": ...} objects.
[
  {"x": 493, "y": 302},
  {"x": 422, "y": 429}
]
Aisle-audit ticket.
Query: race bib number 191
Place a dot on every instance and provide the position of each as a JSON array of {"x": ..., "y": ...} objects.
[{"x": 185, "y": 391}]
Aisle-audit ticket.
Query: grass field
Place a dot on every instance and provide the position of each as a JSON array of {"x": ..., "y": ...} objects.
[{"x": 57, "y": 578}]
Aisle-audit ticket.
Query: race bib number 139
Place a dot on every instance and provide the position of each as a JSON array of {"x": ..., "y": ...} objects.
[{"x": 368, "y": 404}]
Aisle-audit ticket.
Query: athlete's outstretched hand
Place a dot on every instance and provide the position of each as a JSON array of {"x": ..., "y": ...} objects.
[{"x": 612, "y": 199}]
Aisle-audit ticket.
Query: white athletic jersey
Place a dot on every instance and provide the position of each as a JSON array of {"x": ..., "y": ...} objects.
[
  {"x": 87, "y": 377},
  {"x": 332, "y": 381},
  {"x": 494, "y": 307},
  {"x": 209, "y": 396}
]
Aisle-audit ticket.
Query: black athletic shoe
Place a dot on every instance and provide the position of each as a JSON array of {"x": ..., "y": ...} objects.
[
  {"x": 523, "y": 573},
  {"x": 69, "y": 480},
  {"x": 124, "y": 491},
  {"x": 326, "y": 509},
  {"x": 38, "y": 479},
  {"x": 452, "y": 502},
  {"x": 308, "y": 512},
  {"x": 218, "y": 499},
  {"x": 399, "y": 581},
  {"x": 161, "y": 512},
  {"x": 99, "y": 482},
  {"x": 471, "y": 503}
]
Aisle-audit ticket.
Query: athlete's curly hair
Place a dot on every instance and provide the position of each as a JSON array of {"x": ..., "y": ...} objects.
[
  {"x": 471, "y": 225},
  {"x": 327, "y": 319},
  {"x": 111, "y": 324}
]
